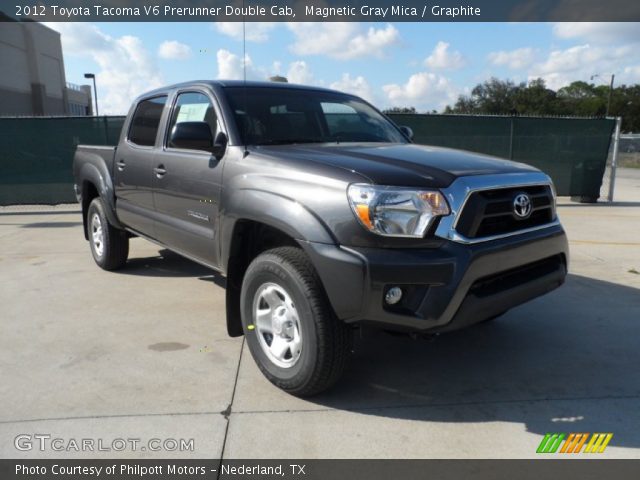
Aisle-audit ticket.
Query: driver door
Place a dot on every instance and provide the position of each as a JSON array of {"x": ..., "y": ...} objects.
[{"x": 187, "y": 183}]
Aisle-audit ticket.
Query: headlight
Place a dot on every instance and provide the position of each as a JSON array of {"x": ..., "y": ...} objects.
[{"x": 396, "y": 211}]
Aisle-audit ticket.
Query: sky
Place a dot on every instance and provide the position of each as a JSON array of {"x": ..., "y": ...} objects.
[{"x": 423, "y": 65}]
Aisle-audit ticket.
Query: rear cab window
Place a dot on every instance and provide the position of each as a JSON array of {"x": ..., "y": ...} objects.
[{"x": 146, "y": 121}]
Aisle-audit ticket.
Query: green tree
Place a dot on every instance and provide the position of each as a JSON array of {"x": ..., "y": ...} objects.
[
  {"x": 399, "y": 110},
  {"x": 535, "y": 99},
  {"x": 504, "y": 97},
  {"x": 494, "y": 96}
]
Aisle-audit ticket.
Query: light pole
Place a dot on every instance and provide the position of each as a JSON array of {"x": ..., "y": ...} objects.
[
  {"x": 610, "y": 91},
  {"x": 95, "y": 91}
]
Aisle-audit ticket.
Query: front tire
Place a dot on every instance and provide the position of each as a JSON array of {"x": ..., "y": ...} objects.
[
  {"x": 292, "y": 332},
  {"x": 109, "y": 245}
]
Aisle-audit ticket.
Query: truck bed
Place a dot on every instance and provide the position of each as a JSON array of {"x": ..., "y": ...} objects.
[{"x": 106, "y": 152}]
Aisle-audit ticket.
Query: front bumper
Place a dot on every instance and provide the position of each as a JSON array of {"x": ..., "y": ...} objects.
[{"x": 445, "y": 288}]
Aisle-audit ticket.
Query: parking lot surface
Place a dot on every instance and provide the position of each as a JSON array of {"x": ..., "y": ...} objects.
[{"x": 143, "y": 353}]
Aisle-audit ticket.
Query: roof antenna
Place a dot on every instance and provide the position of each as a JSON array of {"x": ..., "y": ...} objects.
[{"x": 244, "y": 74}]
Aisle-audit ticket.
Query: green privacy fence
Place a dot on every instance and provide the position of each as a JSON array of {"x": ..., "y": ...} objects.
[
  {"x": 573, "y": 151},
  {"x": 36, "y": 153}
]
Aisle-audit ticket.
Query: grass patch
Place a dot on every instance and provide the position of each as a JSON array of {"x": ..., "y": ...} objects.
[{"x": 629, "y": 160}]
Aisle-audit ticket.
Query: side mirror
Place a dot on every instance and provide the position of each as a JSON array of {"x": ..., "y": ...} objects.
[
  {"x": 407, "y": 132},
  {"x": 219, "y": 145},
  {"x": 192, "y": 136}
]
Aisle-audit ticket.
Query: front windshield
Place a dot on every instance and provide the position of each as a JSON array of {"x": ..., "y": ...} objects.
[{"x": 279, "y": 116}]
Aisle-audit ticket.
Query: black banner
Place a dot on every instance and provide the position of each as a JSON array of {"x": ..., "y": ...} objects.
[
  {"x": 322, "y": 10},
  {"x": 534, "y": 469}
]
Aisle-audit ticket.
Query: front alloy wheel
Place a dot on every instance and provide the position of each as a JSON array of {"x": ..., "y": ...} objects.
[
  {"x": 277, "y": 325},
  {"x": 290, "y": 328}
]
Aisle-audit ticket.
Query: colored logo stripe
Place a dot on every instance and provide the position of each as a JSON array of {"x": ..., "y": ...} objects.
[
  {"x": 550, "y": 443},
  {"x": 598, "y": 442},
  {"x": 574, "y": 442}
]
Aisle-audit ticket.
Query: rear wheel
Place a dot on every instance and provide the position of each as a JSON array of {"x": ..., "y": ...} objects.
[
  {"x": 291, "y": 330},
  {"x": 109, "y": 245}
]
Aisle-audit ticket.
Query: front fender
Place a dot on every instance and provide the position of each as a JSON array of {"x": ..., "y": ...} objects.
[{"x": 277, "y": 211}]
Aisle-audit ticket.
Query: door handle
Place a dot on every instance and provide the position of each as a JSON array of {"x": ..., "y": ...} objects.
[
  {"x": 160, "y": 171},
  {"x": 121, "y": 165}
]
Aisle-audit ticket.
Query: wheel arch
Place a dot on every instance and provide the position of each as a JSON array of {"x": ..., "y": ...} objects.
[
  {"x": 95, "y": 181},
  {"x": 254, "y": 221},
  {"x": 249, "y": 239}
]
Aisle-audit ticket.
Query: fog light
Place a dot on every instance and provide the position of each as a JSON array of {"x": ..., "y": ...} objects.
[{"x": 393, "y": 295}]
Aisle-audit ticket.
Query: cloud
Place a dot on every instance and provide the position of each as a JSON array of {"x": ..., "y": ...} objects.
[
  {"x": 341, "y": 40},
  {"x": 632, "y": 72},
  {"x": 580, "y": 62},
  {"x": 230, "y": 66},
  {"x": 254, "y": 31},
  {"x": 355, "y": 85},
  {"x": 604, "y": 49},
  {"x": 299, "y": 72},
  {"x": 442, "y": 59},
  {"x": 513, "y": 59},
  {"x": 174, "y": 50},
  {"x": 599, "y": 32},
  {"x": 126, "y": 68},
  {"x": 423, "y": 90}
]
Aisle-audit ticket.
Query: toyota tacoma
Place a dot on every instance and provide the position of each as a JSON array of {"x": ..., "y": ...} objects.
[{"x": 322, "y": 215}]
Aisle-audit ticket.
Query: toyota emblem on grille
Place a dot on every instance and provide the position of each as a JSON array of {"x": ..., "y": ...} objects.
[{"x": 522, "y": 206}]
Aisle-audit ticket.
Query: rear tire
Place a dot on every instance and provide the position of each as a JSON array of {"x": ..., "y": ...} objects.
[
  {"x": 292, "y": 332},
  {"x": 109, "y": 245}
]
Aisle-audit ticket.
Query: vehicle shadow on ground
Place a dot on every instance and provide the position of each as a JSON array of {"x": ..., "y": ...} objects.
[
  {"x": 170, "y": 264},
  {"x": 567, "y": 362}
]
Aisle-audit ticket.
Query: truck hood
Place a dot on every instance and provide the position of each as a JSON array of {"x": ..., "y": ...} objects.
[{"x": 398, "y": 164}]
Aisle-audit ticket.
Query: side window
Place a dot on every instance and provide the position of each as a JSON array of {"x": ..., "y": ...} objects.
[
  {"x": 193, "y": 107},
  {"x": 146, "y": 120}
]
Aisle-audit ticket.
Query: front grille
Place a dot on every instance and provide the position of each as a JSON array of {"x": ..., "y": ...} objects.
[{"x": 490, "y": 212}]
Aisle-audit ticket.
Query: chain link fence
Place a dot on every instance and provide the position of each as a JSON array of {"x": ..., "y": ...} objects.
[
  {"x": 36, "y": 154},
  {"x": 628, "y": 156}
]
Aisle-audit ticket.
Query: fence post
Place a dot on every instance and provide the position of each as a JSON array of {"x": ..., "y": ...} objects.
[
  {"x": 106, "y": 130},
  {"x": 511, "y": 139},
  {"x": 614, "y": 159}
]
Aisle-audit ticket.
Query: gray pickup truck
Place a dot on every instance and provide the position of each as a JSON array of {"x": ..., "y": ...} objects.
[{"x": 323, "y": 216}]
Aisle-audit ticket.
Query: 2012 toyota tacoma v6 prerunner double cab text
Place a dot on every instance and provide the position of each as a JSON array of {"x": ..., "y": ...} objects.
[{"x": 323, "y": 216}]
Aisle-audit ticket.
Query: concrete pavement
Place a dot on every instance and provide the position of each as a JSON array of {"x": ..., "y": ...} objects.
[{"x": 143, "y": 353}]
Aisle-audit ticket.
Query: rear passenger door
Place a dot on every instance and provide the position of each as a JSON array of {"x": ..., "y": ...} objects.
[
  {"x": 187, "y": 183},
  {"x": 133, "y": 174}
]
